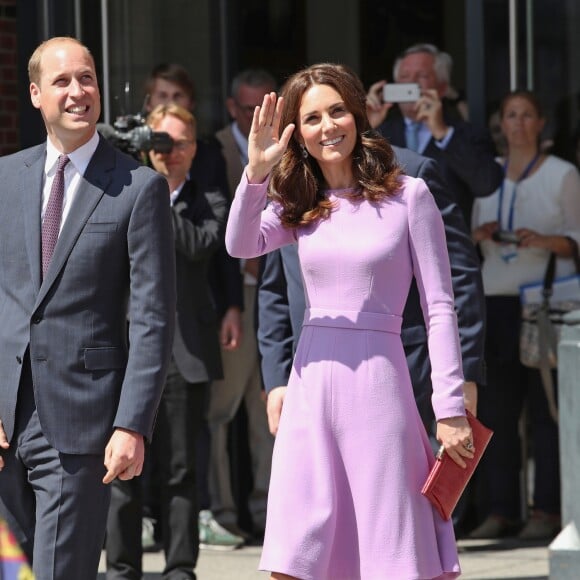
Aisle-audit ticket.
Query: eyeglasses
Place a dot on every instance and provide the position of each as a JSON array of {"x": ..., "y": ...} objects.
[
  {"x": 181, "y": 145},
  {"x": 246, "y": 109}
]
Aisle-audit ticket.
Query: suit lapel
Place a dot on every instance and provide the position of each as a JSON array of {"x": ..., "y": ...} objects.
[
  {"x": 432, "y": 150},
  {"x": 30, "y": 187},
  {"x": 399, "y": 133},
  {"x": 91, "y": 189},
  {"x": 394, "y": 131}
]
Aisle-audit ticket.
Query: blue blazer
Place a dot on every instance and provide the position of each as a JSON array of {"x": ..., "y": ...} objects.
[
  {"x": 113, "y": 260},
  {"x": 281, "y": 299}
]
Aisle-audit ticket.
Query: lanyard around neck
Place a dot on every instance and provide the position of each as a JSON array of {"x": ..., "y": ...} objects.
[{"x": 525, "y": 173}]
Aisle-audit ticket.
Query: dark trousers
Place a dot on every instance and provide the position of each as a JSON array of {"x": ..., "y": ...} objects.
[
  {"x": 172, "y": 454},
  {"x": 500, "y": 405},
  {"x": 55, "y": 503}
]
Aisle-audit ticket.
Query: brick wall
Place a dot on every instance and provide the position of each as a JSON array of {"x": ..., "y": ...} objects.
[{"x": 8, "y": 78}]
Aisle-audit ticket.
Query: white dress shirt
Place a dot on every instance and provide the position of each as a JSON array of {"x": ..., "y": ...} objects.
[{"x": 74, "y": 170}]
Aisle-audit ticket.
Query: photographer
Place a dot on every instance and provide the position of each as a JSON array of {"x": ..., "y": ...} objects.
[
  {"x": 429, "y": 127},
  {"x": 198, "y": 218},
  {"x": 171, "y": 83}
]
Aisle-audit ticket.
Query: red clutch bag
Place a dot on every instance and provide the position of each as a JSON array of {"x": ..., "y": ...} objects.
[{"x": 447, "y": 480}]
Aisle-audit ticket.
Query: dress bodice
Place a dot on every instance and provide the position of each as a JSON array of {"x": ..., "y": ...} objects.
[{"x": 354, "y": 261}]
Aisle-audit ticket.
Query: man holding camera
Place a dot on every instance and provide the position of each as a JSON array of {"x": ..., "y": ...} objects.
[
  {"x": 198, "y": 217},
  {"x": 425, "y": 124}
]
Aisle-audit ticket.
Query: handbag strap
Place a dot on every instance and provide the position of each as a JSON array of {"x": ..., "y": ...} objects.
[
  {"x": 548, "y": 351},
  {"x": 551, "y": 268}
]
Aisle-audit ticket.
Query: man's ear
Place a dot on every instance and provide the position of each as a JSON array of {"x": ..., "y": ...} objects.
[
  {"x": 231, "y": 107},
  {"x": 35, "y": 95}
]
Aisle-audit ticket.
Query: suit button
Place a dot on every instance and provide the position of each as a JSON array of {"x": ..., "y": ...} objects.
[
  {"x": 19, "y": 359},
  {"x": 36, "y": 319}
]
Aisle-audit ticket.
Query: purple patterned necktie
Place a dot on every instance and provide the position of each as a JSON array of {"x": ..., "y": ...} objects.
[{"x": 53, "y": 214}]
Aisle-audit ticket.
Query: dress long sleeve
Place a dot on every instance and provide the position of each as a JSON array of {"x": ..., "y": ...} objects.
[
  {"x": 252, "y": 230},
  {"x": 432, "y": 271}
]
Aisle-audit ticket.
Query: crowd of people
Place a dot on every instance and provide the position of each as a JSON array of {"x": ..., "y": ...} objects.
[{"x": 334, "y": 264}]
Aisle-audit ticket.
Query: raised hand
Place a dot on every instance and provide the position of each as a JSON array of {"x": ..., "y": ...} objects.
[
  {"x": 377, "y": 109},
  {"x": 265, "y": 145},
  {"x": 429, "y": 109}
]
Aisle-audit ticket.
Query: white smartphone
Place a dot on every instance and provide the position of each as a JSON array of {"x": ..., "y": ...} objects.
[{"x": 401, "y": 92}]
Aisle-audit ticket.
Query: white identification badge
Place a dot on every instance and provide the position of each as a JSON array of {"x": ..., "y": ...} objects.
[{"x": 508, "y": 252}]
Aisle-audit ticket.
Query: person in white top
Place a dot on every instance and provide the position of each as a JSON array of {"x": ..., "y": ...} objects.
[{"x": 535, "y": 211}]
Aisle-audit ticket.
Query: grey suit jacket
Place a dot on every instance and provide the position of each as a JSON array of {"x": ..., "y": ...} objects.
[{"x": 115, "y": 249}]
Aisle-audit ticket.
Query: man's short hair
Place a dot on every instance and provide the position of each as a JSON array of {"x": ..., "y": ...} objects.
[
  {"x": 162, "y": 111},
  {"x": 34, "y": 68},
  {"x": 442, "y": 65},
  {"x": 252, "y": 77},
  {"x": 173, "y": 73}
]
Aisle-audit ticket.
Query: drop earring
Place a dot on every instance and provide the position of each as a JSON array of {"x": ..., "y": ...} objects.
[{"x": 304, "y": 151}]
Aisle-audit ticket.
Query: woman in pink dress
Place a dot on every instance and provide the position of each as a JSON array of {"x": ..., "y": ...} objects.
[{"x": 351, "y": 452}]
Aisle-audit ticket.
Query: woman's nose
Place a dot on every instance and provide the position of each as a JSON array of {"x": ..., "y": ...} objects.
[{"x": 327, "y": 122}]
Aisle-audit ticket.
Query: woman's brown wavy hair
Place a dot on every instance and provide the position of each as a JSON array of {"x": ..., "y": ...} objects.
[{"x": 296, "y": 183}]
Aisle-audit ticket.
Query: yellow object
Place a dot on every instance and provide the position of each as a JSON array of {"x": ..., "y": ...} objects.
[{"x": 13, "y": 564}]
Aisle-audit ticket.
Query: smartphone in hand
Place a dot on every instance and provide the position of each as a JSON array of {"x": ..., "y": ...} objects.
[{"x": 401, "y": 92}]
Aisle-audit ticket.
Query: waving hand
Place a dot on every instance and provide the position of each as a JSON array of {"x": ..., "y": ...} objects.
[{"x": 265, "y": 145}]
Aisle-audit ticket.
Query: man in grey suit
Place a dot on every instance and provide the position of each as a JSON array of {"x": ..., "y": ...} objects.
[{"x": 79, "y": 393}]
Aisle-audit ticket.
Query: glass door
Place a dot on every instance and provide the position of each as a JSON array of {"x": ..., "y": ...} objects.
[{"x": 534, "y": 44}]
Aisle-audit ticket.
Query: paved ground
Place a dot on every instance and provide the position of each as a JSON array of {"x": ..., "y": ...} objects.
[{"x": 480, "y": 559}]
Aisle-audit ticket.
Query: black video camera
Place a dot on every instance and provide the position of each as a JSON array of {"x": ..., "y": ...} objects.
[{"x": 132, "y": 135}]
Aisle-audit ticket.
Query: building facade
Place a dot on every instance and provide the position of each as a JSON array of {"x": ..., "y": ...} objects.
[{"x": 496, "y": 45}]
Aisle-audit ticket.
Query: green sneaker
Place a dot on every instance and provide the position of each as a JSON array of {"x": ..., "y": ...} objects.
[
  {"x": 212, "y": 536},
  {"x": 148, "y": 542}
]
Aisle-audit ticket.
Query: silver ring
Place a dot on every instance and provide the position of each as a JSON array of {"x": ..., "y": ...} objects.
[{"x": 469, "y": 446}]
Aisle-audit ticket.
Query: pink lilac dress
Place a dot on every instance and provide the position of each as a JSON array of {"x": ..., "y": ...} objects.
[{"x": 351, "y": 453}]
